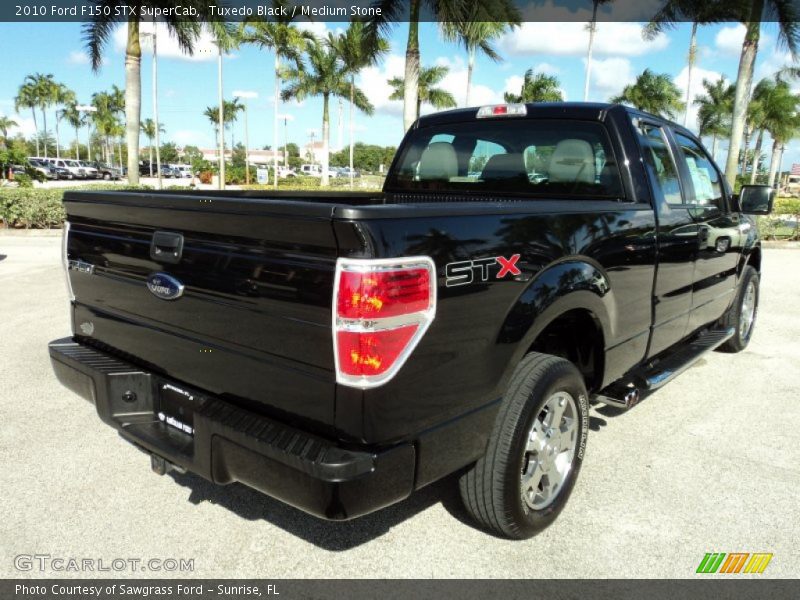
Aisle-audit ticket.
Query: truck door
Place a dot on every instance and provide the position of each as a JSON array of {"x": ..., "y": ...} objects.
[
  {"x": 719, "y": 237},
  {"x": 677, "y": 239}
]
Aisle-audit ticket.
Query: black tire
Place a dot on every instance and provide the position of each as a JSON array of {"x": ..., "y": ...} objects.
[
  {"x": 743, "y": 333},
  {"x": 107, "y": 176},
  {"x": 492, "y": 488}
]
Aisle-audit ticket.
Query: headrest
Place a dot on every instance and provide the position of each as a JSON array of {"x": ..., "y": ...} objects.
[
  {"x": 572, "y": 161},
  {"x": 438, "y": 161},
  {"x": 504, "y": 166}
]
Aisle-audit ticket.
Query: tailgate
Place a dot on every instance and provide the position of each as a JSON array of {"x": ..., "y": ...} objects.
[{"x": 253, "y": 322}]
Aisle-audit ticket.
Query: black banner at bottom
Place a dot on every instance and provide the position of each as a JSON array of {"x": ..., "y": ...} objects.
[{"x": 357, "y": 589}]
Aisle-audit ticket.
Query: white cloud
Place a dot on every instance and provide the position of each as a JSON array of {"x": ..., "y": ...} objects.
[
  {"x": 78, "y": 57},
  {"x": 245, "y": 94},
  {"x": 455, "y": 82},
  {"x": 609, "y": 76},
  {"x": 318, "y": 28},
  {"x": 373, "y": 81},
  {"x": 729, "y": 40},
  {"x": 546, "y": 68},
  {"x": 24, "y": 125},
  {"x": 698, "y": 75},
  {"x": 772, "y": 63},
  {"x": 168, "y": 47},
  {"x": 572, "y": 39}
]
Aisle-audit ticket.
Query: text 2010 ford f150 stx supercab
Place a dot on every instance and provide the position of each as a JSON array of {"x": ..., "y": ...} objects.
[{"x": 340, "y": 351}]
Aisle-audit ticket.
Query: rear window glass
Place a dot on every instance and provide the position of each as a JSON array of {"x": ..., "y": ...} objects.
[{"x": 538, "y": 158}]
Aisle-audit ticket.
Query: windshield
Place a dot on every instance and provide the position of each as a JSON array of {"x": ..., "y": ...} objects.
[{"x": 539, "y": 158}]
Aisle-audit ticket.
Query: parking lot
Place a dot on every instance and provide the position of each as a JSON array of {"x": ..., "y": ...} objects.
[{"x": 711, "y": 463}]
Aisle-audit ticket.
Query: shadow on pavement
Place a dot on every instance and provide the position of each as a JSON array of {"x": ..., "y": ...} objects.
[
  {"x": 335, "y": 536},
  {"x": 3, "y": 256}
]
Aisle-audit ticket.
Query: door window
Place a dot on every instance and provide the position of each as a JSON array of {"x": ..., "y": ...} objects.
[
  {"x": 706, "y": 181},
  {"x": 659, "y": 162}
]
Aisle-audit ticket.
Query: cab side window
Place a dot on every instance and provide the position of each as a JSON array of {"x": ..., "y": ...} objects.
[
  {"x": 706, "y": 181},
  {"x": 659, "y": 162}
]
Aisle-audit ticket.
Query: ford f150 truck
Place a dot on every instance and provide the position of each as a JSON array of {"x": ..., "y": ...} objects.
[{"x": 339, "y": 351}]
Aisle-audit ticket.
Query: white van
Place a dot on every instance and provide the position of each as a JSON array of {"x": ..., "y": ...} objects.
[{"x": 311, "y": 170}]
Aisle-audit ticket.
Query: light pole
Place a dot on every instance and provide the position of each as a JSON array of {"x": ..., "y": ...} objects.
[
  {"x": 155, "y": 107},
  {"x": 285, "y": 141},
  {"x": 87, "y": 108},
  {"x": 220, "y": 117},
  {"x": 245, "y": 96}
]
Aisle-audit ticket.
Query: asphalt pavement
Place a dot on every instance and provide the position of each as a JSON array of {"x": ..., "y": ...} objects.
[{"x": 710, "y": 463}]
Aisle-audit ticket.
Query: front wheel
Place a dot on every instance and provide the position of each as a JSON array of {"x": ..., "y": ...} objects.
[
  {"x": 742, "y": 315},
  {"x": 535, "y": 451}
]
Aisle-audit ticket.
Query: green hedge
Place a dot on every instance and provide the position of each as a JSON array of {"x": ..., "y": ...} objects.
[{"x": 38, "y": 208}]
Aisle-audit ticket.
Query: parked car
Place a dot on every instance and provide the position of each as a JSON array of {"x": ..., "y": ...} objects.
[
  {"x": 43, "y": 167},
  {"x": 92, "y": 172},
  {"x": 446, "y": 325},
  {"x": 107, "y": 172},
  {"x": 311, "y": 170},
  {"x": 284, "y": 172},
  {"x": 182, "y": 171},
  {"x": 167, "y": 172},
  {"x": 73, "y": 167},
  {"x": 345, "y": 172}
]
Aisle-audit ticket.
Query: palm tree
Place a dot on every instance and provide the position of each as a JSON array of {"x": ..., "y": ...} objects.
[
  {"x": 6, "y": 123},
  {"x": 324, "y": 76},
  {"x": 427, "y": 93},
  {"x": 230, "y": 112},
  {"x": 698, "y": 13},
  {"x": 653, "y": 93},
  {"x": 756, "y": 123},
  {"x": 357, "y": 51},
  {"x": 715, "y": 109},
  {"x": 26, "y": 98},
  {"x": 751, "y": 13},
  {"x": 97, "y": 31},
  {"x": 74, "y": 118},
  {"x": 149, "y": 130},
  {"x": 592, "y": 30},
  {"x": 286, "y": 42},
  {"x": 474, "y": 34},
  {"x": 63, "y": 97},
  {"x": 394, "y": 11},
  {"x": 537, "y": 88},
  {"x": 110, "y": 106},
  {"x": 780, "y": 118},
  {"x": 45, "y": 89}
]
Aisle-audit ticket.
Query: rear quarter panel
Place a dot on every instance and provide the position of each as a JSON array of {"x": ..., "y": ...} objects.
[{"x": 595, "y": 255}]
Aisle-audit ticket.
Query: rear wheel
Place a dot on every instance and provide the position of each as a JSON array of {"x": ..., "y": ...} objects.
[
  {"x": 107, "y": 176},
  {"x": 742, "y": 315},
  {"x": 535, "y": 451}
]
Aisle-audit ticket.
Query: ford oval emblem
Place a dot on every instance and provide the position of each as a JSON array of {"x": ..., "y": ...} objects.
[{"x": 164, "y": 286}]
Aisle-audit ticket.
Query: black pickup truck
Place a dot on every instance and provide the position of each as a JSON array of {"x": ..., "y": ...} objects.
[{"x": 339, "y": 351}]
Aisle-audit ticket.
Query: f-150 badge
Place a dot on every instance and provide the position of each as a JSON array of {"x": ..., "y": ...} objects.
[
  {"x": 164, "y": 286},
  {"x": 466, "y": 271}
]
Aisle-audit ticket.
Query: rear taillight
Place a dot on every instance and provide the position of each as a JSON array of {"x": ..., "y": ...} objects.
[{"x": 381, "y": 310}]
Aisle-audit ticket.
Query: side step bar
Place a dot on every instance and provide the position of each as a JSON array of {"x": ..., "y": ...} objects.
[{"x": 627, "y": 392}]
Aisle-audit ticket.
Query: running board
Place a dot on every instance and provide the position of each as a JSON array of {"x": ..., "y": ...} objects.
[
  {"x": 627, "y": 392},
  {"x": 672, "y": 365}
]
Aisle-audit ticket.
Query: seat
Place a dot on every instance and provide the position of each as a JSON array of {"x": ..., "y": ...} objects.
[
  {"x": 572, "y": 162},
  {"x": 438, "y": 162},
  {"x": 505, "y": 167}
]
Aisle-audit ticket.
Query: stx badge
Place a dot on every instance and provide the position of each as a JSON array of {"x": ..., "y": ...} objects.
[{"x": 466, "y": 271}]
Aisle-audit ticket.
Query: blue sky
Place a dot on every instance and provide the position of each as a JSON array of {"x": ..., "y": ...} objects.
[{"x": 188, "y": 85}]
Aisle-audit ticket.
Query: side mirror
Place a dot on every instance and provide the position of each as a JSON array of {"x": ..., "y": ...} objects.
[{"x": 756, "y": 199}]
